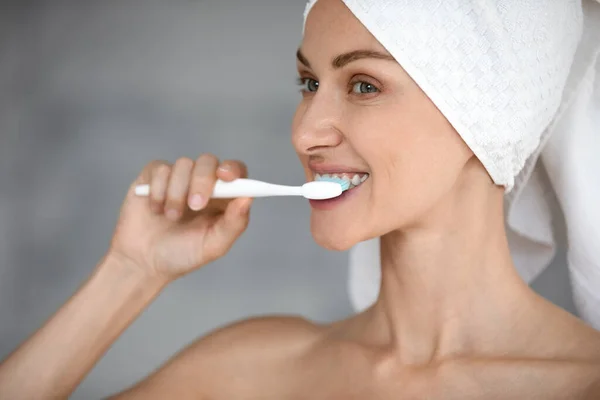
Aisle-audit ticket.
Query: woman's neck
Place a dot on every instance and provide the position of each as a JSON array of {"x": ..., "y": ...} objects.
[{"x": 449, "y": 285}]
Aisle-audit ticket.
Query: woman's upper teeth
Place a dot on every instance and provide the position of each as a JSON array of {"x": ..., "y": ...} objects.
[{"x": 353, "y": 179}]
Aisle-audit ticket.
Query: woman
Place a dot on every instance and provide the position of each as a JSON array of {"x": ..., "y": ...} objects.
[{"x": 453, "y": 319}]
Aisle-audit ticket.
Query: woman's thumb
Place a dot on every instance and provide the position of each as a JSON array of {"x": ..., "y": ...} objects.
[{"x": 230, "y": 226}]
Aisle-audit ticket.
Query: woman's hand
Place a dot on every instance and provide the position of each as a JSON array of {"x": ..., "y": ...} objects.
[
  {"x": 178, "y": 228},
  {"x": 157, "y": 239}
]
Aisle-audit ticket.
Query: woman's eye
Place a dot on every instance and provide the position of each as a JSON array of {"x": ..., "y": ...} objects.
[
  {"x": 308, "y": 85},
  {"x": 364, "y": 88}
]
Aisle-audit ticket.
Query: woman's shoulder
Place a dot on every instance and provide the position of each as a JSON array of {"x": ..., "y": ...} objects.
[
  {"x": 265, "y": 339},
  {"x": 519, "y": 378},
  {"x": 257, "y": 354},
  {"x": 575, "y": 340},
  {"x": 275, "y": 331}
]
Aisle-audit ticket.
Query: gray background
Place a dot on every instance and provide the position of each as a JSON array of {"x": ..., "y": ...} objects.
[{"x": 91, "y": 91}]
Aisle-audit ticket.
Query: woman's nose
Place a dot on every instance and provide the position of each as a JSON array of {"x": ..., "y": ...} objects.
[{"x": 316, "y": 126}]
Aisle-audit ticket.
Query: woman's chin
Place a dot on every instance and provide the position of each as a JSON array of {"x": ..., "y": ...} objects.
[{"x": 332, "y": 237}]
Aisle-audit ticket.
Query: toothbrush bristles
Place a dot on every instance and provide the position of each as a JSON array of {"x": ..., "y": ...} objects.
[{"x": 343, "y": 183}]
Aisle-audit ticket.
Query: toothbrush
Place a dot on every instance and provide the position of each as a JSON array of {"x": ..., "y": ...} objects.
[{"x": 322, "y": 189}]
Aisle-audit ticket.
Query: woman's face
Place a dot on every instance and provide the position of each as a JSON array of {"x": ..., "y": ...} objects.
[{"x": 362, "y": 114}]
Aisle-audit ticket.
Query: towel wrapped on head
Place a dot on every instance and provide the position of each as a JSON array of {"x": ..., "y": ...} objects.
[{"x": 520, "y": 82}]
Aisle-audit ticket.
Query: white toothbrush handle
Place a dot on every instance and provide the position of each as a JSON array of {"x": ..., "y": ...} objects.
[
  {"x": 252, "y": 188},
  {"x": 241, "y": 188}
]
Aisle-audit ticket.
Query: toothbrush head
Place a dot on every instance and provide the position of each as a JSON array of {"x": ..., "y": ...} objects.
[
  {"x": 343, "y": 183},
  {"x": 324, "y": 189}
]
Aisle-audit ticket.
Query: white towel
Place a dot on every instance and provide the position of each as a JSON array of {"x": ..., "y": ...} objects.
[{"x": 520, "y": 82}]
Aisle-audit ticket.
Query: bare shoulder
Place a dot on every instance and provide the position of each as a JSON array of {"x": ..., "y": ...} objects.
[
  {"x": 578, "y": 340},
  {"x": 517, "y": 379},
  {"x": 259, "y": 329},
  {"x": 258, "y": 342},
  {"x": 592, "y": 337},
  {"x": 239, "y": 358},
  {"x": 560, "y": 361}
]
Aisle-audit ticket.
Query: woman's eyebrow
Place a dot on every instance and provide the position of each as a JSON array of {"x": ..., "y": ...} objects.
[
  {"x": 344, "y": 59},
  {"x": 300, "y": 57}
]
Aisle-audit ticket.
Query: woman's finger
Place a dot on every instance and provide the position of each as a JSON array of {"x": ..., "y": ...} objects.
[
  {"x": 232, "y": 169},
  {"x": 179, "y": 184},
  {"x": 159, "y": 182},
  {"x": 202, "y": 181}
]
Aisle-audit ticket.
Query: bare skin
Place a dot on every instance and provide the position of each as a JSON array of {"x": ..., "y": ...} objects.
[{"x": 453, "y": 319}]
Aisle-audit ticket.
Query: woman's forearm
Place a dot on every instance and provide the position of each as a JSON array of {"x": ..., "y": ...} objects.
[{"x": 58, "y": 356}]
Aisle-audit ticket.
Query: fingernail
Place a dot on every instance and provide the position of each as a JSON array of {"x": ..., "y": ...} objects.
[
  {"x": 196, "y": 202},
  {"x": 225, "y": 168},
  {"x": 172, "y": 214}
]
